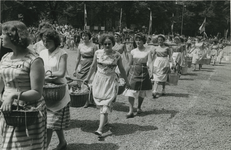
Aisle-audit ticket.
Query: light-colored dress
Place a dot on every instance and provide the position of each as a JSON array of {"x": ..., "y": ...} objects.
[
  {"x": 198, "y": 54},
  {"x": 105, "y": 83},
  {"x": 138, "y": 77},
  {"x": 161, "y": 64},
  {"x": 58, "y": 115},
  {"x": 16, "y": 76}
]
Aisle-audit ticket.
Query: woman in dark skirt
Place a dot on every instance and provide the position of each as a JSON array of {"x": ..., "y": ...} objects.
[{"x": 138, "y": 77}]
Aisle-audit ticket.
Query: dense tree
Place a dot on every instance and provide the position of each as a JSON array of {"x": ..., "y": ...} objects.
[{"x": 135, "y": 14}]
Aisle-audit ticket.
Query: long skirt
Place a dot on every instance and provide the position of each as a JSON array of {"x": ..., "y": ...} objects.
[
  {"x": 105, "y": 88},
  {"x": 59, "y": 120},
  {"x": 161, "y": 69},
  {"x": 15, "y": 138},
  {"x": 85, "y": 67}
]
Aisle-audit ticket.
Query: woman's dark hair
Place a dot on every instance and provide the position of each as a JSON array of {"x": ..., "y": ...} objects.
[
  {"x": 87, "y": 33},
  {"x": 18, "y": 33},
  {"x": 107, "y": 36},
  {"x": 51, "y": 34},
  {"x": 141, "y": 36},
  {"x": 45, "y": 25}
]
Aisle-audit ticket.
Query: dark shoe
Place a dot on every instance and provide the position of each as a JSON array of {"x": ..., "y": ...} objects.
[
  {"x": 154, "y": 95},
  {"x": 139, "y": 111},
  {"x": 130, "y": 116}
]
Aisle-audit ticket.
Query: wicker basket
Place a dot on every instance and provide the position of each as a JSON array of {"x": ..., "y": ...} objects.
[
  {"x": 79, "y": 99},
  {"x": 18, "y": 117},
  {"x": 53, "y": 94}
]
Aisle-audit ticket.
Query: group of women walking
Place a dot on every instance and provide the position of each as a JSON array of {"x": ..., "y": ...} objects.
[{"x": 23, "y": 73}]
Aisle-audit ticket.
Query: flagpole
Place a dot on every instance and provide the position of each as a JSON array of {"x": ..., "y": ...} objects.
[
  {"x": 120, "y": 27},
  {"x": 85, "y": 17},
  {"x": 150, "y": 22}
]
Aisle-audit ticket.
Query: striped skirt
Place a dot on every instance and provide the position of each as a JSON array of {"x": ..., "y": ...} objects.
[
  {"x": 60, "y": 119},
  {"x": 15, "y": 138}
]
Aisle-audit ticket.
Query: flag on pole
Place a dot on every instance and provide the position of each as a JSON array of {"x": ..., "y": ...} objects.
[
  {"x": 85, "y": 17},
  {"x": 120, "y": 27},
  {"x": 202, "y": 27},
  {"x": 150, "y": 23}
]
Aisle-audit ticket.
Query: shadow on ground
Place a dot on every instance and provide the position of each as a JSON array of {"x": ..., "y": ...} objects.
[
  {"x": 94, "y": 146},
  {"x": 177, "y": 95},
  {"x": 190, "y": 74},
  {"x": 160, "y": 111},
  {"x": 116, "y": 128}
]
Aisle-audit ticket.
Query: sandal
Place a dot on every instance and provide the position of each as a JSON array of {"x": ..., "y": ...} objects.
[{"x": 98, "y": 133}]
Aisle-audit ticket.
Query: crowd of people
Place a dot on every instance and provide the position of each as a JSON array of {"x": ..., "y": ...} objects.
[{"x": 142, "y": 61}]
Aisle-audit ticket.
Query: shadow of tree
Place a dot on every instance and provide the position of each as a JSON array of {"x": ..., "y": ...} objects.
[
  {"x": 160, "y": 111},
  {"x": 94, "y": 146},
  {"x": 177, "y": 95},
  {"x": 116, "y": 128}
]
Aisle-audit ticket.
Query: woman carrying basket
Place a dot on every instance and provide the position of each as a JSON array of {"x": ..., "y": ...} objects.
[
  {"x": 161, "y": 65},
  {"x": 55, "y": 60},
  {"x": 85, "y": 54},
  {"x": 21, "y": 71},
  {"x": 105, "y": 83},
  {"x": 139, "y": 77}
]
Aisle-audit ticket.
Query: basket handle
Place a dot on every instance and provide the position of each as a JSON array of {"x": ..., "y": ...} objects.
[
  {"x": 71, "y": 79},
  {"x": 19, "y": 95},
  {"x": 49, "y": 71}
]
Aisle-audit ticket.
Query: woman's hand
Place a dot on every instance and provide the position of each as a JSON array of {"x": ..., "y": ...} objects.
[
  {"x": 50, "y": 78},
  {"x": 7, "y": 103}
]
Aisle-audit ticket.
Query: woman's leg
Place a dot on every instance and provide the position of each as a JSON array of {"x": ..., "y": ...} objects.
[
  {"x": 62, "y": 140},
  {"x": 131, "y": 108},
  {"x": 155, "y": 86},
  {"x": 163, "y": 88},
  {"x": 102, "y": 120},
  {"x": 140, "y": 101},
  {"x": 49, "y": 135}
]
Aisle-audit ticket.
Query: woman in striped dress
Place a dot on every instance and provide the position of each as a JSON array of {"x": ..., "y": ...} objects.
[
  {"x": 21, "y": 71},
  {"x": 55, "y": 60}
]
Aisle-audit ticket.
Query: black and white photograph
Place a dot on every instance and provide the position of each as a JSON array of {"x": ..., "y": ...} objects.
[{"x": 115, "y": 75}]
